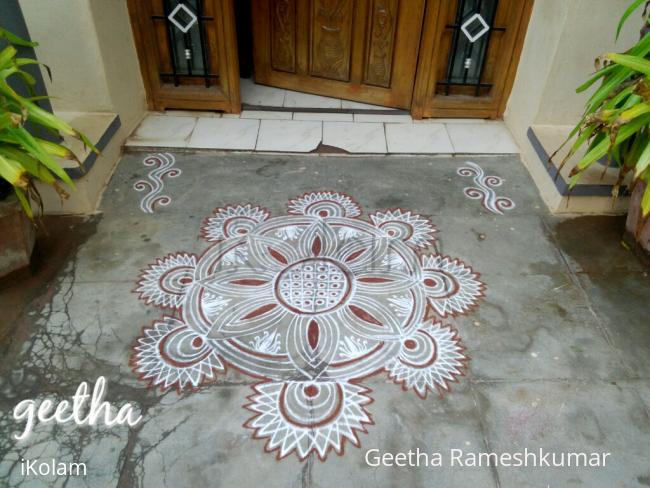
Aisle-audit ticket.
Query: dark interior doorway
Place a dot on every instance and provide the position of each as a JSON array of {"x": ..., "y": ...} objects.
[{"x": 244, "y": 38}]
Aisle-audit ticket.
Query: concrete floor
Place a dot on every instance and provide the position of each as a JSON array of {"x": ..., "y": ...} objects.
[{"x": 559, "y": 348}]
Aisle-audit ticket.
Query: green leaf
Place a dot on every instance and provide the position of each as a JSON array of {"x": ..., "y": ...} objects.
[
  {"x": 636, "y": 63},
  {"x": 599, "y": 74},
  {"x": 630, "y": 10},
  {"x": 57, "y": 149},
  {"x": 9, "y": 92},
  {"x": 37, "y": 151},
  {"x": 43, "y": 117},
  {"x": 643, "y": 162},
  {"x": 573, "y": 181},
  {"x": 39, "y": 98},
  {"x": 614, "y": 76},
  {"x": 584, "y": 137},
  {"x": 13, "y": 172},
  {"x": 25, "y": 61},
  {"x": 637, "y": 145},
  {"x": 14, "y": 39},
  {"x": 30, "y": 164},
  {"x": 6, "y": 55},
  {"x": 24, "y": 202},
  {"x": 633, "y": 112},
  {"x": 631, "y": 101},
  {"x": 27, "y": 78},
  {"x": 606, "y": 89},
  {"x": 645, "y": 201},
  {"x": 601, "y": 148}
]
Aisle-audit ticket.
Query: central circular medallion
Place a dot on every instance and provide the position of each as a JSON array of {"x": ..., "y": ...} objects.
[{"x": 313, "y": 286}]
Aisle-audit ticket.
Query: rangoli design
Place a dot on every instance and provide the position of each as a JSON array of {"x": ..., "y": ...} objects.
[
  {"x": 484, "y": 189},
  {"x": 310, "y": 303},
  {"x": 163, "y": 165}
]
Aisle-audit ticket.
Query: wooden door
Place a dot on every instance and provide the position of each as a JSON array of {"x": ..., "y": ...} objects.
[
  {"x": 188, "y": 53},
  {"x": 363, "y": 50},
  {"x": 468, "y": 57}
]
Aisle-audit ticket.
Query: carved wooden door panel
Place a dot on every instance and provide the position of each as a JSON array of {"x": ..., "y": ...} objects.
[
  {"x": 188, "y": 53},
  {"x": 363, "y": 50}
]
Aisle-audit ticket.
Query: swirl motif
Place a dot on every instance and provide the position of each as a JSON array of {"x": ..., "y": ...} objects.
[
  {"x": 163, "y": 166},
  {"x": 484, "y": 189}
]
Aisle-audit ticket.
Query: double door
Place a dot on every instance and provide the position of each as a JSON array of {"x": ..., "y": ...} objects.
[{"x": 433, "y": 57}]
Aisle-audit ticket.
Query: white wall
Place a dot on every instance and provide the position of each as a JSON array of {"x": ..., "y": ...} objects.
[
  {"x": 564, "y": 38},
  {"x": 589, "y": 31},
  {"x": 68, "y": 44},
  {"x": 120, "y": 60},
  {"x": 89, "y": 46}
]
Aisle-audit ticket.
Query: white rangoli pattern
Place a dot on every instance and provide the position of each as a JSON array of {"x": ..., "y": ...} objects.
[
  {"x": 310, "y": 304},
  {"x": 484, "y": 189},
  {"x": 163, "y": 166}
]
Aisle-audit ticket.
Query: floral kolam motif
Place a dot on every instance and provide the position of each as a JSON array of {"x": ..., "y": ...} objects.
[{"x": 310, "y": 304}]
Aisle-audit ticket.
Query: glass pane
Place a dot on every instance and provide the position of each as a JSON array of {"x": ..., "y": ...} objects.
[
  {"x": 468, "y": 53},
  {"x": 187, "y": 46}
]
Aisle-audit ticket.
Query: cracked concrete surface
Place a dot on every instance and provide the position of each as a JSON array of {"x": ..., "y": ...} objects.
[{"x": 560, "y": 348}]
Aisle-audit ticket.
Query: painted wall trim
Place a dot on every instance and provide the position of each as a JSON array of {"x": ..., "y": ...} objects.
[
  {"x": 562, "y": 186},
  {"x": 89, "y": 161}
]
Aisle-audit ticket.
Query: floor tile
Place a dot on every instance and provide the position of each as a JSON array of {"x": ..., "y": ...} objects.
[
  {"x": 330, "y": 117},
  {"x": 254, "y": 94},
  {"x": 533, "y": 317},
  {"x": 355, "y": 138},
  {"x": 225, "y": 134},
  {"x": 289, "y": 135},
  {"x": 142, "y": 237},
  {"x": 362, "y": 106},
  {"x": 307, "y": 100},
  {"x": 611, "y": 276},
  {"x": 403, "y": 423},
  {"x": 400, "y": 118},
  {"x": 485, "y": 138},
  {"x": 163, "y": 131},
  {"x": 266, "y": 115},
  {"x": 231, "y": 454},
  {"x": 418, "y": 138},
  {"x": 563, "y": 417},
  {"x": 98, "y": 448},
  {"x": 540, "y": 375}
]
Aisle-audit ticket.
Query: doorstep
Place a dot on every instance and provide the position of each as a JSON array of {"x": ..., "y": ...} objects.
[{"x": 317, "y": 131}]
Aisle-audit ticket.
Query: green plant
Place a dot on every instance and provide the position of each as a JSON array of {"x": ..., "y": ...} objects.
[
  {"x": 617, "y": 116},
  {"x": 24, "y": 157}
]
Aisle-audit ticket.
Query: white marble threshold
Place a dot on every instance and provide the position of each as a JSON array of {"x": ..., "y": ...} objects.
[{"x": 305, "y": 132}]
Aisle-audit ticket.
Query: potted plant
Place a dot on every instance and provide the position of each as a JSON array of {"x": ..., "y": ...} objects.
[
  {"x": 616, "y": 122},
  {"x": 25, "y": 158}
]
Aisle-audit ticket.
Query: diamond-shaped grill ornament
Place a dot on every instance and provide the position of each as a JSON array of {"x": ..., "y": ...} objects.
[
  {"x": 484, "y": 28},
  {"x": 182, "y": 9}
]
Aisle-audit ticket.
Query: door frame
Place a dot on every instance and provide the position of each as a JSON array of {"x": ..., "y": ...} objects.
[
  {"x": 161, "y": 96},
  {"x": 427, "y": 104}
]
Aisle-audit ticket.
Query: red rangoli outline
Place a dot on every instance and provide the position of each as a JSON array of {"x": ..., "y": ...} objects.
[{"x": 310, "y": 303}]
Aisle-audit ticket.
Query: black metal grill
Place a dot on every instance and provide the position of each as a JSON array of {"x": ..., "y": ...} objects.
[
  {"x": 188, "y": 51},
  {"x": 467, "y": 59}
]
